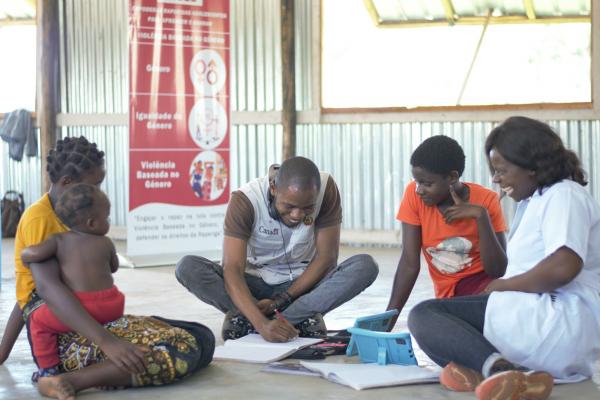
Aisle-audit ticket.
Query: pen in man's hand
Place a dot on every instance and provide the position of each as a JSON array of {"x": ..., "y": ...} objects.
[{"x": 279, "y": 316}]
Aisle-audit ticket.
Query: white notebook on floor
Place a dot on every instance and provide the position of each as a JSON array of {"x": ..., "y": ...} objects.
[
  {"x": 254, "y": 349},
  {"x": 366, "y": 376}
]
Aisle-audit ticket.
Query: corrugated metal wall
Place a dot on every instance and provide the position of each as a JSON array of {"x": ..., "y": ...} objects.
[
  {"x": 369, "y": 161},
  {"x": 253, "y": 149},
  {"x": 94, "y": 56},
  {"x": 256, "y": 55},
  {"x": 94, "y": 79},
  {"x": 23, "y": 176}
]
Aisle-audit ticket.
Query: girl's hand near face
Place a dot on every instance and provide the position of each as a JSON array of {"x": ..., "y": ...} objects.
[{"x": 462, "y": 209}]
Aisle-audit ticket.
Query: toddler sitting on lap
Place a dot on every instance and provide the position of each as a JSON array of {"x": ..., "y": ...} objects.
[{"x": 87, "y": 260}]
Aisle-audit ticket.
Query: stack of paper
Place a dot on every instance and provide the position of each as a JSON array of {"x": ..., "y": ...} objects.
[{"x": 254, "y": 349}]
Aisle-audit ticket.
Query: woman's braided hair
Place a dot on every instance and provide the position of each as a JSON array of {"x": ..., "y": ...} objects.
[{"x": 73, "y": 157}]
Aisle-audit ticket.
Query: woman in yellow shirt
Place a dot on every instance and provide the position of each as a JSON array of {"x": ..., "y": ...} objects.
[{"x": 119, "y": 362}]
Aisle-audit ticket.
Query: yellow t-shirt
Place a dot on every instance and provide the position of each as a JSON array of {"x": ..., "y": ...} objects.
[{"x": 37, "y": 224}]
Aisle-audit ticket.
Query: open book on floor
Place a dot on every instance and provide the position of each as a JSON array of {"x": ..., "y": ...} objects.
[
  {"x": 254, "y": 349},
  {"x": 366, "y": 376}
]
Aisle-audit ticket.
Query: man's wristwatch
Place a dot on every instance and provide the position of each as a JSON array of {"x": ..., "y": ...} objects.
[{"x": 282, "y": 301}]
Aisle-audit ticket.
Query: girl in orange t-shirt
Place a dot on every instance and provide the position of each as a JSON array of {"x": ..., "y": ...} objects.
[{"x": 458, "y": 226}]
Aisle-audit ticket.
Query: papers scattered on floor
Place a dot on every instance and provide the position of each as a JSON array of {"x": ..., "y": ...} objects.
[
  {"x": 366, "y": 376},
  {"x": 254, "y": 349}
]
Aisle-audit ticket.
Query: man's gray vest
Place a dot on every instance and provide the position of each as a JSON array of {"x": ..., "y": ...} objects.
[{"x": 275, "y": 252}]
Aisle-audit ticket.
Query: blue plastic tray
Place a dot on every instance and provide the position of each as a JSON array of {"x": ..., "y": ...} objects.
[
  {"x": 377, "y": 322},
  {"x": 383, "y": 347}
]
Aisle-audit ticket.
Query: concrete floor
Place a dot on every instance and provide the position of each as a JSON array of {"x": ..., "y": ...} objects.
[{"x": 155, "y": 291}]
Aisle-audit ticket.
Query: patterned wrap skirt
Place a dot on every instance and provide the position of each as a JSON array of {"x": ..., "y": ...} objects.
[{"x": 178, "y": 348}]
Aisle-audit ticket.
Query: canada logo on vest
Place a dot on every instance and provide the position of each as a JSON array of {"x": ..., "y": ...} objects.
[{"x": 267, "y": 231}]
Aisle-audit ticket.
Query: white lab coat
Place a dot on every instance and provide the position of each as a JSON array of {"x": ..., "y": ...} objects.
[{"x": 557, "y": 332}]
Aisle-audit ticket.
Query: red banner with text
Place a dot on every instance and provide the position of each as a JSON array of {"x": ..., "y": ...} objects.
[{"x": 178, "y": 125}]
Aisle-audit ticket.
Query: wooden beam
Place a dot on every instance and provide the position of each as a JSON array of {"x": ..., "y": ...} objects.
[
  {"x": 475, "y": 55},
  {"x": 529, "y": 9},
  {"x": 372, "y": 10},
  {"x": 47, "y": 78},
  {"x": 449, "y": 11},
  {"x": 317, "y": 48},
  {"x": 288, "y": 78},
  {"x": 502, "y": 20},
  {"x": 547, "y": 111},
  {"x": 20, "y": 21},
  {"x": 595, "y": 50}
]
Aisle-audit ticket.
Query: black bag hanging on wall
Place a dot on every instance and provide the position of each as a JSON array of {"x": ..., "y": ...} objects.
[{"x": 12, "y": 209}]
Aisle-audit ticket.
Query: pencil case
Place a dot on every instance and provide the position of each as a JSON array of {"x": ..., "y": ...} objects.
[
  {"x": 383, "y": 347},
  {"x": 377, "y": 322}
]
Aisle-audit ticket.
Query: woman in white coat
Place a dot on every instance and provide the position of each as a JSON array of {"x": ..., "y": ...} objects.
[{"x": 544, "y": 314}]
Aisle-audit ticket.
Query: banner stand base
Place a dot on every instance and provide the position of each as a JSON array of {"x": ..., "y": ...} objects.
[{"x": 162, "y": 260}]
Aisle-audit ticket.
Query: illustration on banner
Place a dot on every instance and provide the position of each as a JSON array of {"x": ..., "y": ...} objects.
[
  {"x": 207, "y": 123},
  {"x": 208, "y": 175},
  {"x": 208, "y": 72}
]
